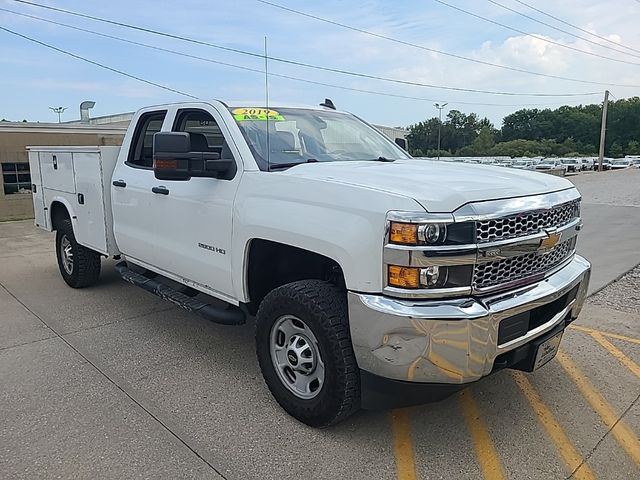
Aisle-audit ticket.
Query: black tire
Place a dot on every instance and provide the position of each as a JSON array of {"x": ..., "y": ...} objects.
[
  {"x": 85, "y": 269},
  {"x": 323, "y": 307}
]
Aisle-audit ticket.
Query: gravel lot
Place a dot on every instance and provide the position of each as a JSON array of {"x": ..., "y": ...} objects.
[{"x": 622, "y": 295}]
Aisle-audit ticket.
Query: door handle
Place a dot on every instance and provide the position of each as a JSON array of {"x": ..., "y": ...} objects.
[
  {"x": 161, "y": 190},
  {"x": 55, "y": 162},
  {"x": 119, "y": 183}
]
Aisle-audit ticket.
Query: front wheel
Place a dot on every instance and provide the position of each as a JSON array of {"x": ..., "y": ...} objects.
[
  {"x": 79, "y": 265},
  {"x": 305, "y": 352}
]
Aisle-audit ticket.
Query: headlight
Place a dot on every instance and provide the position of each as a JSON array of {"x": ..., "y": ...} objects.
[
  {"x": 417, "y": 234},
  {"x": 431, "y": 233}
]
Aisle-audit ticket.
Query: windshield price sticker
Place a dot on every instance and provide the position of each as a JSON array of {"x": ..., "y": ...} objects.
[{"x": 259, "y": 114}]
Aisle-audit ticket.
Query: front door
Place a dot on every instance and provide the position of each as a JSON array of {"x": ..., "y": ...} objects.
[{"x": 193, "y": 240}]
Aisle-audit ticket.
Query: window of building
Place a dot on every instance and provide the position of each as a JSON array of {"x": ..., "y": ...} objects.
[{"x": 16, "y": 178}]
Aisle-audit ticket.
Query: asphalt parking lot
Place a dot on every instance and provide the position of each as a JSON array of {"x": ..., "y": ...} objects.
[{"x": 112, "y": 382}]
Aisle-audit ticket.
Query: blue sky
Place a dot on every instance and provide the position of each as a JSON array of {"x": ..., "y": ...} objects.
[{"x": 34, "y": 78}]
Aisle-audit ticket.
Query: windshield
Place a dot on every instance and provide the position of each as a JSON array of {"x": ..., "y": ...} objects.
[
  {"x": 298, "y": 135},
  {"x": 548, "y": 162},
  {"x": 571, "y": 162},
  {"x": 621, "y": 162}
]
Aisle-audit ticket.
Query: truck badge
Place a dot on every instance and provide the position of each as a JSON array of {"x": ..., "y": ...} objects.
[{"x": 546, "y": 244}]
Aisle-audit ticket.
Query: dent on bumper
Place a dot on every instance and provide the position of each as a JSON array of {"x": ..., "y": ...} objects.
[{"x": 452, "y": 341}]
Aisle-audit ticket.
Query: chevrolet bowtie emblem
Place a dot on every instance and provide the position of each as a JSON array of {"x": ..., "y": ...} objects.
[{"x": 551, "y": 241}]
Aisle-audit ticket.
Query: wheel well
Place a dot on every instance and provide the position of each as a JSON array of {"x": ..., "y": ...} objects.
[
  {"x": 59, "y": 213},
  {"x": 272, "y": 264}
]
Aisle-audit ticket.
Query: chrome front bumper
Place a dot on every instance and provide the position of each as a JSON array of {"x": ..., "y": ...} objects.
[{"x": 452, "y": 341}]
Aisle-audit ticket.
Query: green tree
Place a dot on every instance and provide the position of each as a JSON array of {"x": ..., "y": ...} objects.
[
  {"x": 484, "y": 142},
  {"x": 616, "y": 150}
]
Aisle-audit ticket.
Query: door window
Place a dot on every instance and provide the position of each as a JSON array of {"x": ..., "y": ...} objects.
[
  {"x": 202, "y": 128},
  {"x": 141, "y": 152},
  {"x": 205, "y": 135}
]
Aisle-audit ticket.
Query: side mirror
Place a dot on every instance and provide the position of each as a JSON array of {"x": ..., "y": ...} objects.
[
  {"x": 401, "y": 142},
  {"x": 174, "y": 160}
]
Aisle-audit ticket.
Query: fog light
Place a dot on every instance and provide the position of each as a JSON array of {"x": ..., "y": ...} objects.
[{"x": 429, "y": 276}]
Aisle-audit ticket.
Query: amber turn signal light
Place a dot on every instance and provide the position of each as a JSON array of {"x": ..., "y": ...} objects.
[
  {"x": 404, "y": 233},
  {"x": 403, "y": 277}
]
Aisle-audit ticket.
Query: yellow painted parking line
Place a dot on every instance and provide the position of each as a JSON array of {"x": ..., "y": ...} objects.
[
  {"x": 607, "y": 334},
  {"x": 402, "y": 445},
  {"x": 613, "y": 350},
  {"x": 622, "y": 434},
  {"x": 485, "y": 450},
  {"x": 569, "y": 454}
]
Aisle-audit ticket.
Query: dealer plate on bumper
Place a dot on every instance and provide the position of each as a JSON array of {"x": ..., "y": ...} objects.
[{"x": 547, "y": 350}]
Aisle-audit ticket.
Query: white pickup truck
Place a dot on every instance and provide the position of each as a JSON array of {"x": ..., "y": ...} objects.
[{"x": 376, "y": 280}]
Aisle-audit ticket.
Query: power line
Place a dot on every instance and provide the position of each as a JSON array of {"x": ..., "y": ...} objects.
[
  {"x": 532, "y": 35},
  {"x": 241, "y": 67},
  {"x": 577, "y": 27},
  {"x": 308, "y": 65},
  {"x": 440, "y": 52},
  {"x": 97, "y": 64},
  {"x": 505, "y": 7}
]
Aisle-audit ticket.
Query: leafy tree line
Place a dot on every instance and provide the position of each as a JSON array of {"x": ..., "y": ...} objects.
[{"x": 563, "y": 131}]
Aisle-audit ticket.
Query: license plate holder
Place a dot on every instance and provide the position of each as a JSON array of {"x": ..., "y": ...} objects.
[{"x": 547, "y": 350}]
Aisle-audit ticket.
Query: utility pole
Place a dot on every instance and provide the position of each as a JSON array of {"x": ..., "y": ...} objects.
[
  {"x": 59, "y": 111},
  {"x": 439, "y": 107},
  {"x": 603, "y": 128}
]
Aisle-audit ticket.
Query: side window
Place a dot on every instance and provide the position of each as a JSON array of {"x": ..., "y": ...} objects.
[
  {"x": 141, "y": 151},
  {"x": 202, "y": 128}
]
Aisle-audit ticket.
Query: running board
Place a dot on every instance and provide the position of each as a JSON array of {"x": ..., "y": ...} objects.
[{"x": 231, "y": 316}]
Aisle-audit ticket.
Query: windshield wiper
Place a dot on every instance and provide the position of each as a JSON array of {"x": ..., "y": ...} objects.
[
  {"x": 292, "y": 164},
  {"x": 383, "y": 159}
]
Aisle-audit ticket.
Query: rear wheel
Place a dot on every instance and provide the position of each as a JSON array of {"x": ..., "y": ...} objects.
[
  {"x": 79, "y": 266},
  {"x": 305, "y": 352}
]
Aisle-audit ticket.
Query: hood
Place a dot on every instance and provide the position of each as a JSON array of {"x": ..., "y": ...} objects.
[{"x": 437, "y": 186}]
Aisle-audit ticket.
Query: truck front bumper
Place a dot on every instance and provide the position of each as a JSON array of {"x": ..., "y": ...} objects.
[{"x": 449, "y": 343}]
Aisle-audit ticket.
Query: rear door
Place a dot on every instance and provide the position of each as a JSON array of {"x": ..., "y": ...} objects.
[{"x": 133, "y": 202}]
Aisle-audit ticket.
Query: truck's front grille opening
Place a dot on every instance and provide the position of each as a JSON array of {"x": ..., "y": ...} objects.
[
  {"x": 526, "y": 223},
  {"x": 491, "y": 274},
  {"x": 519, "y": 325}
]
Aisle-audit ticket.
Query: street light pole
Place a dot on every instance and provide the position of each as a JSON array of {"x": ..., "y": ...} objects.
[
  {"x": 59, "y": 111},
  {"x": 439, "y": 107}
]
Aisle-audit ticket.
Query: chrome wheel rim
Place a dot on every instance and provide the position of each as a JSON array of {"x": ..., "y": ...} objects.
[
  {"x": 296, "y": 357},
  {"x": 66, "y": 254}
]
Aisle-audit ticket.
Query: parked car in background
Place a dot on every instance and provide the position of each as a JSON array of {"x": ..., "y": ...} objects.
[
  {"x": 606, "y": 164},
  {"x": 551, "y": 164},
  {"x": 572, "y": 164},
  {"x": 504, "y": 163},
  {"x": 589, "y": 163},
  {"x": 620, "y": 164},
  {"x": 523, "y": 165}
]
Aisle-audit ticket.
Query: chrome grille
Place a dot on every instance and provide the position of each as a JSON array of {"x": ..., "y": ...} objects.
[
  {"x": 491, "y": 274},
  {"x": 526, "y": 223}
]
